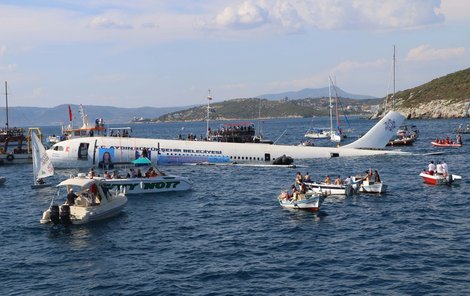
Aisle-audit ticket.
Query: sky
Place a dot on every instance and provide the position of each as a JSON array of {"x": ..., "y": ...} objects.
[{"x": 167, "y": 53}]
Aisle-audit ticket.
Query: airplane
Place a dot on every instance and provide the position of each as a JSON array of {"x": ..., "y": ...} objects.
[{"x": 105, "y": 152}]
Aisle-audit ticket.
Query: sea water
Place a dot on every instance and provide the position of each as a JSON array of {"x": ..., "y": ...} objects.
[{"x": 229, "y": 236}]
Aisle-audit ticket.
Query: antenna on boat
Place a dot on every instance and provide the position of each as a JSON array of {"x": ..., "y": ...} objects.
[
  {"x": 209, "y": 99},
  {"x": 6, "y": 106}
]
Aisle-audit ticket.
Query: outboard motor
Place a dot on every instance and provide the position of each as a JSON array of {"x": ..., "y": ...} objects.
[
  {"x": 283, "y": 160},
  {"x": 54, "y": 214},
  {"x": 65, "y": 215}
]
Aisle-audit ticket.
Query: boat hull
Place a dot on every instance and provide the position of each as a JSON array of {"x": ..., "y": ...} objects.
[
  {"x": 149, "y": 185},
  {"x": 434, "y": 179},
  {"x": 331, "y": 189},
  {"x": 308, "y": 202},
  {"x": 454, "y": 145},
  {"x": 373, "y": 188}
]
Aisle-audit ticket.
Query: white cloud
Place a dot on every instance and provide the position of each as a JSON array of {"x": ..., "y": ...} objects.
[
  {"x": 426, "y": 53},
  {"x": 101, "y": 22},
  {"x": 455, "y": 10},
  {"x": 3, "y": 49},
  {"x": 7, "y": 67},
  {"x": 246, "y": 16}
]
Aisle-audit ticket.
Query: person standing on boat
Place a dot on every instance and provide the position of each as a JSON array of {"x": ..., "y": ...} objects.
[
  {"x": 439, "y": 169},
  {"x": 459, "y": 139},
  {"x": 376, "y": 176},
  {"x": 431, "y": 167},
  {"x": 298, "y": 178},
  {"x": 445, "y": 169},
  {"x": 327, "y": 180},
  {"x": 70, "y": 198}
]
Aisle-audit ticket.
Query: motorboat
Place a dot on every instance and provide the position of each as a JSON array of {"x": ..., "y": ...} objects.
[
  {"x": 42, "y": 165},
  {"x": 445, "y": 144},
  {"x": 432, "y": 178},
  {"x": 401, "y": 141},
  {"x": 93, "y": 202},
  {"x": 332, "y": 189},
  {"x": 310, "y": 201},
  {"x": 154, "y": 181}
]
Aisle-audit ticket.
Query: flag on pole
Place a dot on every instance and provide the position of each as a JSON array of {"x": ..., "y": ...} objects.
[{"x": 70, "y": 113}]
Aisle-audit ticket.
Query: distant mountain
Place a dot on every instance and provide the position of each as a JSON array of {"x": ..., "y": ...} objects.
[
  {"x": 312, "y": 93},
  {"x": 39, "y": 116}
]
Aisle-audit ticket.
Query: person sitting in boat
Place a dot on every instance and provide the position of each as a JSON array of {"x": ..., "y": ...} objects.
[
  {"x": 459, "y": 139},
  {"x": 366, "y": 176},
  {"x": 71, "y": 196},
  {"x": 91, "y": 173},
  {"x": 338, "y": 181},
  {"x": 376, "y": 177},
  {"x": 327, "y": 180},
  {"x": 298, "y": 178},
  {"x": 40, "y": 181},
  {"x": 139, "y": 173},
  {"x": 294, "y": 193},
  {"x": 347, "y": 181},
  {"x": 106, "y": 175},
  {"x": 307, "y": 178},
  {"x": 303, "y": 188}
]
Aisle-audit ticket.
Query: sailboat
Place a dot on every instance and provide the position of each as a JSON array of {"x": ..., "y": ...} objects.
[{"x": 42, "y": 165}]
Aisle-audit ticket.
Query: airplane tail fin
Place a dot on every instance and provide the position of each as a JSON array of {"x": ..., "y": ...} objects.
[{"x": 379, "y": 135}]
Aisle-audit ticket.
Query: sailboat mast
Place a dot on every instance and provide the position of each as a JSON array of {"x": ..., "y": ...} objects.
[
  {"x": 6, "y": 105},
  {"x": 331, "y": 106},
  {"x": 209, "y": 98},
  {"x": 393, "y": 97}
]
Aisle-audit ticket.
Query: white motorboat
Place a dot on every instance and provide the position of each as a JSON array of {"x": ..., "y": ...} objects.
[
  {"x": 318, "y": 133},
  {"x": 309, "y": 201},
  {"x": 154, "y": 181},
  {"x": 331, "y": 189},
  {"x": 42, "y": 165},
  {"x": 439, "y": 179},
  {"x": 93, "y": 202}
]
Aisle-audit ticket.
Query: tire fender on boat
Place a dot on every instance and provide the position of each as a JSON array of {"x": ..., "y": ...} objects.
[{"x": 10, "y": 157}]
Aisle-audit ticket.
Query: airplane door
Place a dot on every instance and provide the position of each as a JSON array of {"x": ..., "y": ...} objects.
[
  {"x": 267, "y": 157},
  {"x": 83, "y": 151}
]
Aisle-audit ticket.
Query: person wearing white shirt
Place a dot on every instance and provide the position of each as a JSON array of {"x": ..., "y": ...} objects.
[
  {"x": 439, "y": 169},
  {"x": 431, "y": 167},
  {"x": 444, "y": 168}
]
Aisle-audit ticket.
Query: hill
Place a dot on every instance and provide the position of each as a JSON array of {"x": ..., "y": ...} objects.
[
  {"x": 312, "y": 93},
  {"x": 252, "y": 108},
  {"x": 443, "y": 97}
]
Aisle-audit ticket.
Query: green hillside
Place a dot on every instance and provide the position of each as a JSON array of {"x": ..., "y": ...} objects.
[{"x": 454, "y": 88}]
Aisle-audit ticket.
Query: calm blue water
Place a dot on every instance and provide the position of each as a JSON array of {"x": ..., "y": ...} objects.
[{"x": 229, "y": 236}]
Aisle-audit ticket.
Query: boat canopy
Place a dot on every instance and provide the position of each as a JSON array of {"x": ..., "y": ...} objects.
[{"x": 79, "y": 181}]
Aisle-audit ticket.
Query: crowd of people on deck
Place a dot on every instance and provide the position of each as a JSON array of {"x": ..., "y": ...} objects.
[
  {"x": 132, "y": 173},
  {"x": 440, "y": 168}
]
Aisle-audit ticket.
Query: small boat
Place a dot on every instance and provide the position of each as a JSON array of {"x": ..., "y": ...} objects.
[
  {"x": 309, "y": 201},
  {"x": 2, "y": 180},
  {"x": 318, "y": 133},
  {"x": 93, "y": 202},
  {"x": 159, "y": 182},
  {"x": 331, "y": 189},
  {"x": 42, "y": 165},
  {"x": 369, "y": 186},
  {"x": 439, "y": 179},
  {"x": 452, "y": 145},
  {"x": 401, "y": 141}
]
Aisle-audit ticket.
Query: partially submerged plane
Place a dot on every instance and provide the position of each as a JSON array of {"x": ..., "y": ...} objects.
[{"x": 105, "y": 152}]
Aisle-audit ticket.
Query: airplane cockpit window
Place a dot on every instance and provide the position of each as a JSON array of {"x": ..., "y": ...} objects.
[{"x": 58, "y": 148}]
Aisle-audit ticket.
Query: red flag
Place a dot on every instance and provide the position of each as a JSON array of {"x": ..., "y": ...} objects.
[{"x": 70, "y": 113}]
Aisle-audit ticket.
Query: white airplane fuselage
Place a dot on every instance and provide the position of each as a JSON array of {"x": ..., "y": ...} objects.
[{"x": 88, "y": 152}]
